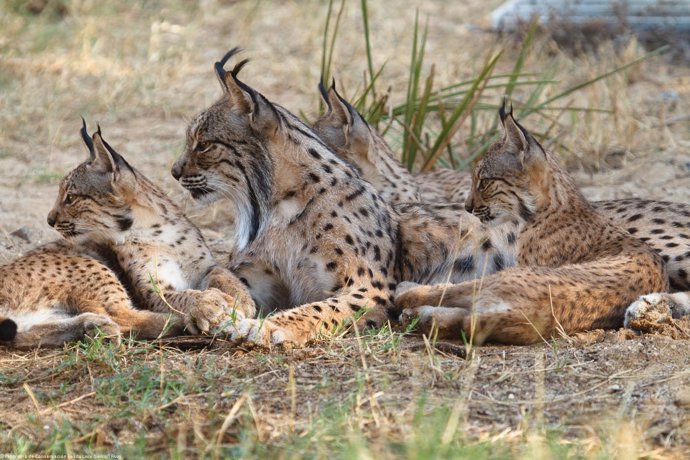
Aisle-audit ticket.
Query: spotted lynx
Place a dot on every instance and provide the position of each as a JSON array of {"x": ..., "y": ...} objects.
[
  {"x": 663, "y": 225},
  {"x": 576, "y": 270},
  {"x": 309, "y": 231},
  {"x": 61, "y": 292},
  {"x": 111, "y": 214}
]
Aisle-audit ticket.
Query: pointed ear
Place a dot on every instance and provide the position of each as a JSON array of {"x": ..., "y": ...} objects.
[
  {"x": 245, "y": 100},
  {"x": 514, "y": 134},
  {"x": 104, "y": 160},
  {"x": 355, "y": 129},
  {"x": 338, "y": 108},
  {"x": 240, "y": 100}
]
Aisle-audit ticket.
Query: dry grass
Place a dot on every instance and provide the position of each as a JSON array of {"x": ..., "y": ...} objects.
[{"x": 141, "y": 70}]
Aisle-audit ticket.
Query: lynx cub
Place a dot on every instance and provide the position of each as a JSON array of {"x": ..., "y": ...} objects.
[
  {"x": 112, "y": 215},
  {"x": 576, "y": 269}
]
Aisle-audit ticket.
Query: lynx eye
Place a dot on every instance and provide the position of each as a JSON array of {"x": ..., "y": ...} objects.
[
  {"x": 483, "y": 184},
  {"x": 69, "y": 199},
  {"x": 203, "y": 146}
]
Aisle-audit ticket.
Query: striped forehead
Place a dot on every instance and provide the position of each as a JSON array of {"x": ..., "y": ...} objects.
[
  {"x": 196, "y": 124},
  {"x": 83, "y": 180}
]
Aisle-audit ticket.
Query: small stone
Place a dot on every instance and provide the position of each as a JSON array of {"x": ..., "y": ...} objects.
[{"x": 615, "y": 388}]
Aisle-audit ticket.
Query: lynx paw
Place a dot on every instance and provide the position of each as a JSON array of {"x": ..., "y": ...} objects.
[
  {"x": 263, "y": 332},
  {"x": 373, "y": 319},
  {"x": 655, "y": 308},
  {"x": 95, "y": 324},
  {"x": 443, "y": 322},
  {"x": 418, "y": 318},
  {"x": 210, "y": 310}
]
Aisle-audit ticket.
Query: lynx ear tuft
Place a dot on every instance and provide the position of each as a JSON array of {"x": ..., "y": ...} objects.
[
  {"x": 87, "y": 139},
  {"x": 502, "y": 110},
  {"x": 243, "y": 99},
  {"x": 514, "y": 134},
  {"x": 219, "y": 66},
  {"x": 324, "y": 93}
]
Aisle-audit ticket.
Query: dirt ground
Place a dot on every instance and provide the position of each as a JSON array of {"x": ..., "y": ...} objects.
[{"x": 143, "y": 72}]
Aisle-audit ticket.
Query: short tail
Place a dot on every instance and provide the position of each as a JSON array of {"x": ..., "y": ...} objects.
[{"x": 8, "y": 329}]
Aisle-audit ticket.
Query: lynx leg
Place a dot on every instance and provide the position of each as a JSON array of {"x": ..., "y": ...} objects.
[
  {"x": 57, "y": 330},
  {"x": 498, "y": 322},
  {"x": 450, "y": 295},
  {"x": 148, "y": 324}
]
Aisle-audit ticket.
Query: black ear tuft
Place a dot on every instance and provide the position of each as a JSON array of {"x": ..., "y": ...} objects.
[
  {"x": 86, "y": 138},
  {"x": 218, "y": 66},
  {"x": 235, "y": 70},
  {"x": 324, "y": 92},
  {"x": 502, "y": 110}
]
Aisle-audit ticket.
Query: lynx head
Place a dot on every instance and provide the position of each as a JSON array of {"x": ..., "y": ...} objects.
[
  {"x": 227, "y": 151},
  {"x": 94, "y": 196},
  {"x": 343, "y": 129},
  {"x": 506, "y": 182}
]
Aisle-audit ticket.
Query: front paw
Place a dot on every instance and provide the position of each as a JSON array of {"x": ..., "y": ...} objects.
[
  {"x": 240, "y": 305},
  {"x": 210, "y": 310},
  {"x": 654, "y": 308},
  {"x": 264, "y": 332},
  {"x": 375, "y": 318},
  {"x": 99, "y": 325},
  {"x": 417, "y": 318}
]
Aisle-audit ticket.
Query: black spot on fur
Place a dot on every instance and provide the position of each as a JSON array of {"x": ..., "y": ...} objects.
[
  {"x": 380, "y": 300},
  {"x": 464, "y": 265},
  {"x": 499, "y": 262},
  {"x": 355, "y": 194}
]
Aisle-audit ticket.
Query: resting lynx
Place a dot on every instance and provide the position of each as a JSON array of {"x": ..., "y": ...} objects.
[
  {"x": 663, "y": 225},
  {"x": 313, "y": 239},
  {"x": 576, "y": 269},
  {"x": 59, "y": 293},
  {"x": 111, "y": 214}
]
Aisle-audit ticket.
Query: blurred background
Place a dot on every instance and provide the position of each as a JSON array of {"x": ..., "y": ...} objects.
[{"x": 611, "y": 101}]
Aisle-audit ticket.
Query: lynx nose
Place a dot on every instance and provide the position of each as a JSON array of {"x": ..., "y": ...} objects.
[
  {"x": 469, "y": 207},
  {"x": 52, "y": 218},
  {"x": 176, "y": 171}
]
